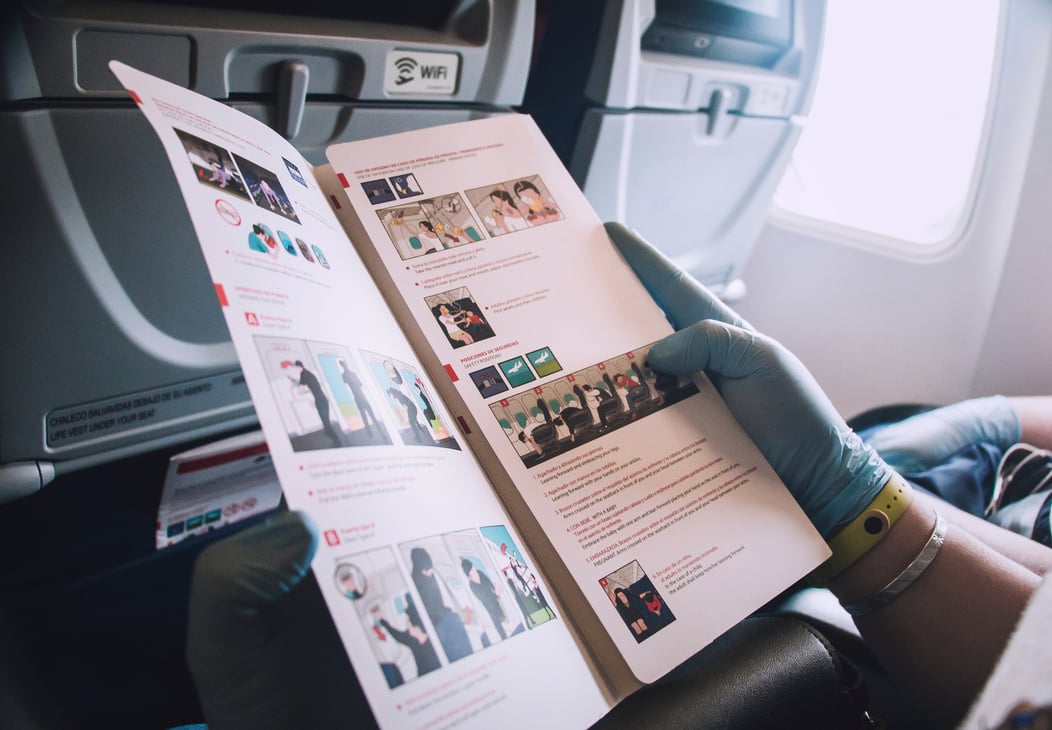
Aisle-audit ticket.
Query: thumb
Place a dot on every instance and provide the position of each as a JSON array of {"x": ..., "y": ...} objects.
[
  {"x": 241, "y": 574},
  {"x": 234, "y": 641},
  {"x": 683, "y": 299}
]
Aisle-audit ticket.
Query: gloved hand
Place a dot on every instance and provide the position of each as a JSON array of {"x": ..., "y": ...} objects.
[
  {"x": 829, "y": 470},
  {"x": 261, "y": 645},
  {"x": 926, "y": 439}
]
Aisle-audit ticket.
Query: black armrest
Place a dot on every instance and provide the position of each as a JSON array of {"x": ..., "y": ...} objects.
[{"x": 768, "y": 671}]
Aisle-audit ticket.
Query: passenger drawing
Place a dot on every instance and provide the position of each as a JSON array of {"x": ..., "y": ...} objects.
[
  {"x": 448, "y": 625},
  {"x": 539, "y": 208},
  {"x": 505, "y": 212}
]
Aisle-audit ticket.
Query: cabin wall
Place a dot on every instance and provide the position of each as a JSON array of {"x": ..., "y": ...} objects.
[
  {"x": 1017, "y": 354},
  {"x": 877, "y": 329}
]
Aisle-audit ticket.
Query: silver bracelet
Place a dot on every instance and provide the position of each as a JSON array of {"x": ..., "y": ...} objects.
[{"x": 906, "y": 578}]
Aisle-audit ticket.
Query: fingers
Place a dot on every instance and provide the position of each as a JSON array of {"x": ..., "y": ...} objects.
[
  {"x": 928, "y": 438},
  {"x": 261, "y": 647},
  {"x": 715, "y": 347},
  {"x": 255, "y": 567},
  {"x": 683, "y": 299},
  {"x": 233, "y": 632}
]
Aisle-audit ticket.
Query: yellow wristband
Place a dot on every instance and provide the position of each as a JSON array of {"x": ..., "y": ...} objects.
[{"x": 857, "y": 537}]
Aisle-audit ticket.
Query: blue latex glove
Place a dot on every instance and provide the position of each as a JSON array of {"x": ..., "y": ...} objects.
[
  {"x": 927, "y": 439},
  {"x": 261, "y": 646},
  {"x": 829, "y": 470}
]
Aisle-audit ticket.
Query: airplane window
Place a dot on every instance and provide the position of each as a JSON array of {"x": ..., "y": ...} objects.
[{"x": 891, "y": 147}]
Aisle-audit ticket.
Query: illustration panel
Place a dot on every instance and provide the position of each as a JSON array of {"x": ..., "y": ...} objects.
[
  {"x": 567, "y": 412},
  {"x": 408, "y": 402}
]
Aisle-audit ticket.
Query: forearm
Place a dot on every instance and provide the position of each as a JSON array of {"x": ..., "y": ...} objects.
[
  {"x": 943, "y": 635},
  {"x": 1028, "y": 553},
  {"x": 1035, "y": 418},
  {"x": 402, "y": 637}
]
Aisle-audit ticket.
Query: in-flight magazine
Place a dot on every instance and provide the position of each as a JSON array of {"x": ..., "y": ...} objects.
[{"x": 448, "y": 359}]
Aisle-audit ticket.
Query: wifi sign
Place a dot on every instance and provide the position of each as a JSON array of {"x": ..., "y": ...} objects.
[
  {"x": 412, "y": 72},
  {"x": 405, "y": 66}
]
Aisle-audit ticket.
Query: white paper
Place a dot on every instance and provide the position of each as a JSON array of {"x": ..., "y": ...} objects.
[
  {"x": 664, "y": 494},
  {"x": 215, "y": 485},
  {"x": 668, "y": 500},
  {"x": 380, "y": 495}
]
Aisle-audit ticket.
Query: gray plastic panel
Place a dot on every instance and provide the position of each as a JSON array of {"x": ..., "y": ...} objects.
[
  {"x": 120, "y": 343},
  {"x": 111, "y": 308},
  {"x": 689, "y": 149},
  {"x": 93, "y": 218},
  {"x": 220, "y": 53},
  {"x": 625, "y": 76},
  {"x": 154, "y": 53},
  {"x": 701, "y": 197}
]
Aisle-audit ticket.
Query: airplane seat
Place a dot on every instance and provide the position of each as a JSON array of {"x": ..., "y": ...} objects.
[
  {"x": 638, "y": 395},
  {"x": 114, "y": 373},
  {"x": 579, "y": 418},
  {"x": 890, "y": 413},
  {"x": 86, "y": 275},
  {"x": 609, "y": 408},
  {"x": 581, "y": 401},
  {"x": 544, "y": 435},
  {"x": 679, "y": 117},
  {"x": 98, "y": 612}
]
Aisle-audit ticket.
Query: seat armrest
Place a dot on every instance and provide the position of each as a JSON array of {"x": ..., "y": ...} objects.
[{"x": 768, "y": 671}]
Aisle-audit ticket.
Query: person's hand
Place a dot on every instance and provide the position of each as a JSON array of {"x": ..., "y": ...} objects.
[
  {"x": 261, "y": 646},
  {"x": 829, "y": 470},
  {"x": 926, "y": 439}
]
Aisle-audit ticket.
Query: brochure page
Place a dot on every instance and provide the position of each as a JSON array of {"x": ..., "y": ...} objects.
[
  {"x": 216, "y": 485},
  {"x": 438, "y": 602},
  {"x": 666, "y": 515}
]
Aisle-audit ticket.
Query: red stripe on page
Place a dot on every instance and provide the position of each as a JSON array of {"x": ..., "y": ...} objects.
[
  {"x": 206, "y": 462},
  {"x": 134, "y": 96},
  {"x": 451, "y": 373},
  {"x": 343, "y": 179},
  {"x": 335, "y": 202},
  {"x": 463, "y": 425},
  {"x": 221, "y": 293}
]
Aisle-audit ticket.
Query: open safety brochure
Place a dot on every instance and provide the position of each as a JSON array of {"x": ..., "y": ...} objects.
[{"x": 448, "y": 360}]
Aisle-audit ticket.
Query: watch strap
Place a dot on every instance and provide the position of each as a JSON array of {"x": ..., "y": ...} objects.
[{"x": 858, "y": 537}]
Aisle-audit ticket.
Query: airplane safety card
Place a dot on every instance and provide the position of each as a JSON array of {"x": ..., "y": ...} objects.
[{"x": 448, "y": 360}]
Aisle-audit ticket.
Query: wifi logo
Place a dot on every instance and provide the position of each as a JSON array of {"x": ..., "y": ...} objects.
[
  {"x": 406, "y": 68},
  {"x": 419, "y": 72}
]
